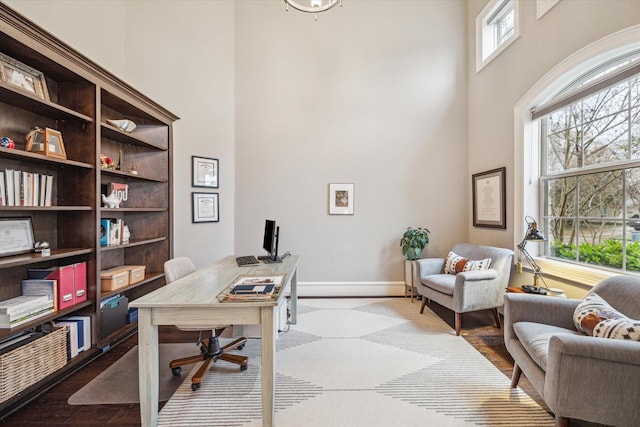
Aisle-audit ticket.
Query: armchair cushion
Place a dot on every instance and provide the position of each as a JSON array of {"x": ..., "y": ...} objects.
[
  {"x": 594, "y": 316},
  {"x": 535, "y": 339},
  {"x": 455, "y": 264}
]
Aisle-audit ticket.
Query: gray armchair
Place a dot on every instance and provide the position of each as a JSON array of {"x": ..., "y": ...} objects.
[
  {"x": 468, "y": 290},
  {"x": 578, "y": 376}
]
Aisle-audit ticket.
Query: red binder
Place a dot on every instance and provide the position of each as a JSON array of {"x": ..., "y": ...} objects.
[
  {"x": 64, "y": 276},
  {"x": 79, "y": 282}
]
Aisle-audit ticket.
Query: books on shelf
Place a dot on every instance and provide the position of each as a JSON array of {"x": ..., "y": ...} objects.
[
  {"x": 111, "y": 231},
  {"x": 79, "y": 338},
  {"x": 47, "y": 287},
  {"x": 23, "y": 188},
  {"x": 23, "y": 309}
]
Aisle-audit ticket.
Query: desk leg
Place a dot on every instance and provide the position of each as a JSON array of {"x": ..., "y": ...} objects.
[
  {"x": 268, "y": 365},
  {"x": 148, "y": 368},
  {"x": 294, "y": 298}
]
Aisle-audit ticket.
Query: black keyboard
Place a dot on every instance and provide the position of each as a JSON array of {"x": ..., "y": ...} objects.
[{"x": 247, "y": 260}]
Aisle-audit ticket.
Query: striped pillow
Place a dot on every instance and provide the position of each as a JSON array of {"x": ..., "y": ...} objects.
[
  {"x": 455, "y": 264},
  {"x": 594, "y": 316}
]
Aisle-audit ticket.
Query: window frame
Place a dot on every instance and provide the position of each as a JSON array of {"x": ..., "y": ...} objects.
[{"x": 487, "y": 46}]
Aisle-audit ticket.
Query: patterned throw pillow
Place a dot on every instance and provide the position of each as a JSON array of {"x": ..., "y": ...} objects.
[
  {"x": 455, "y": 264},
  {"x": 594, "y": 316}
]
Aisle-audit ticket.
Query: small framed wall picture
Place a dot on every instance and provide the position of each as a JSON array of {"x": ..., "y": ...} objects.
[
  {"x": 341, "y": 199},
  {"x": 23, "y": 77},
  {"x": 205, "y": 207},
  {"x": 205, "y": 172},
  {"x": 489, "y": 199}
]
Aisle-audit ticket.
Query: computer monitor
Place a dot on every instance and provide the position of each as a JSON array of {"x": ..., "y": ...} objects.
[{"x": 270, "y": 242}]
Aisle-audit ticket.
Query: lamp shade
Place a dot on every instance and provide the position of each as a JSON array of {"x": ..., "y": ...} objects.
[{"x": 533, "y": 233}]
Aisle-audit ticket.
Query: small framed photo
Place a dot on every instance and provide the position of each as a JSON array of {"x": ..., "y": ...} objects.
[
  {"x": 16, "y": 236},
  {"x": 204, "y": 171},
  {"x": 23, "y": 77},
  {"x": 341, "y": 199},
  {"x": 205, "y": 207},
  {"x": 489, "y": 199}
]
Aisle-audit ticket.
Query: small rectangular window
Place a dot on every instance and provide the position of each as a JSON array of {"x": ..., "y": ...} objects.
[{"x": 496, "y": 28}]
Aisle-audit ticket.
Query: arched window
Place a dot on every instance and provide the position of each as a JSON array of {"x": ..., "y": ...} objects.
[
  {"x": 590, "y": 167},
  {"x": 581, "y": 128}
]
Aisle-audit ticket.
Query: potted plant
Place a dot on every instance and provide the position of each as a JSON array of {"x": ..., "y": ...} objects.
[{"x": 413, "y": 241}]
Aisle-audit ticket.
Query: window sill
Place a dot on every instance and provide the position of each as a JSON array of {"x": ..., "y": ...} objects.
[{"x": 583, "y": 275}]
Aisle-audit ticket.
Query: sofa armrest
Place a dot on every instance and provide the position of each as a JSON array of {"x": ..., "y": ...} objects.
[
  {"x": 604, "y": 375},
  {"x": 429, "y": 266}
]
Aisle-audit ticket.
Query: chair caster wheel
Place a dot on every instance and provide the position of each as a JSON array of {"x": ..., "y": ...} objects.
[
  {"x": 240, "y": 347},
  {"x": 203, "y": 349},
  {"x": 176, "y": 371},
  {"x": 243, "y": 367},
  {"x": 195, "y": 386}
]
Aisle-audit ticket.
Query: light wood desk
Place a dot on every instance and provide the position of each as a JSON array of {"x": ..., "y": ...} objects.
[{"x": 191, "y": 301}]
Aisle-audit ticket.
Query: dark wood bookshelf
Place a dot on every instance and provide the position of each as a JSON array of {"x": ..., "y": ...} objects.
[{"x": 81, "y": 98}]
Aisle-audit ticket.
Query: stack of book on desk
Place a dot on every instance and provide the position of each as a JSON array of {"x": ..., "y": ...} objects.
[
  {"x": 22, "y": 309},
  {"x": 253, "y": 288}
]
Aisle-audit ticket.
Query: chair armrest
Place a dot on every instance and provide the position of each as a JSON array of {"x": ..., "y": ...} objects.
[
  {"x": 429, "y": 266},
  {"x": 470, "y": 276},
  {"x": 604, "y": 375}
]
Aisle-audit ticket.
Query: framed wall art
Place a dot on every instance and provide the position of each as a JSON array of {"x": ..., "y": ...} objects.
[
  {"x": 489, "y": 199},
  {"x": 204, "y": 171},
  {"x": 205, "y": 207},
  {"x": 22, "y": 77},
  {"x": 341, "y": 199},
  {"x": 16, "y": 236}
]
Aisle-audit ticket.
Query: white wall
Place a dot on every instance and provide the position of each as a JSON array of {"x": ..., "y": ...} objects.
[{"x": 374, "y": 94}]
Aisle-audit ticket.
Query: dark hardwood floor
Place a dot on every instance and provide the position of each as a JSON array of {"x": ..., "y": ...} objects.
[{"x": 51, "y": 408}]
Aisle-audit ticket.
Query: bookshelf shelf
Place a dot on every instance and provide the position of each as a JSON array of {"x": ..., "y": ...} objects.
[
  {"x": 148, "y": 277},
  {"x": 81, "y": 97}
]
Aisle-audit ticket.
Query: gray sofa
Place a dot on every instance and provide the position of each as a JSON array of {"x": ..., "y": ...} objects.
[
  {"x": 469, "y": 290},
  {"x": 578, "y": 376}
]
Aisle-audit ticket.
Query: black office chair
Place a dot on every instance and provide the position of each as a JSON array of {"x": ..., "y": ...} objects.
[{"x": 210, "y": 350}]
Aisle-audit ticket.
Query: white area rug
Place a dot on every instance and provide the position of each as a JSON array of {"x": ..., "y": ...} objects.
[{"x": 361, "y": 362}]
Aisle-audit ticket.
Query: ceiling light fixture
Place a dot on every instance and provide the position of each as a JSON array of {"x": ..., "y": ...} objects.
[{"x": 312, "y": 6}]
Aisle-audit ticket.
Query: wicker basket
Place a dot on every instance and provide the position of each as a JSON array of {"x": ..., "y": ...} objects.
[{"x": 28, "y": 364}]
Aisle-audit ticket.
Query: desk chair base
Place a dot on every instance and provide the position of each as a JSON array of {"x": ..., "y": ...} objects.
[{"x": 209, "y": 353}]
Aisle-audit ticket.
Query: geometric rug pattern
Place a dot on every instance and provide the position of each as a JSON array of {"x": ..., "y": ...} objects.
[{"x": 360, "y": 362}]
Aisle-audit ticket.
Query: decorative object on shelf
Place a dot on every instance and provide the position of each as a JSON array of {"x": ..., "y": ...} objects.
[
  {"x": 133, "y": 170},
  {"x": 46, "y": 141},
  {"x": 204, "y": 172},
  {"x": 123, "y": 124},
  {"x": 7, "y": 142},
  {"x": 112, "y": 201},
  {"x": 489, "y": 199},
  {"x": 43, "y": 248},
  {"x": 413, "y": 241},
  {"x": 126, "y": 234},
  {"x": 205, "y": 207},
  {"x": 106, "y": 162},
  {"x": 312, "y": 6},
  {"x": 23, "y": 77},
  {"x": 532, "y": 235},
  {"x": 16, "y": 236},
  {"x": 341, "y": 199}
]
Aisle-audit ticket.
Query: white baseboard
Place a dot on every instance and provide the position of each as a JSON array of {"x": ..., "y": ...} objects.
[{"x": 350, "y": 289}]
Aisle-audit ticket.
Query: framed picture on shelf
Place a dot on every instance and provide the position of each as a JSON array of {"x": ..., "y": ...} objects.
[
  {"x": 205, "y": 207},
  {"x": 204, "y": 172},
  {"x": 341, "y": 199},
  {"x": 489, "y": 199},
  {"x": 16, "y": 236},
  {"x": 23, "y": 77}
]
